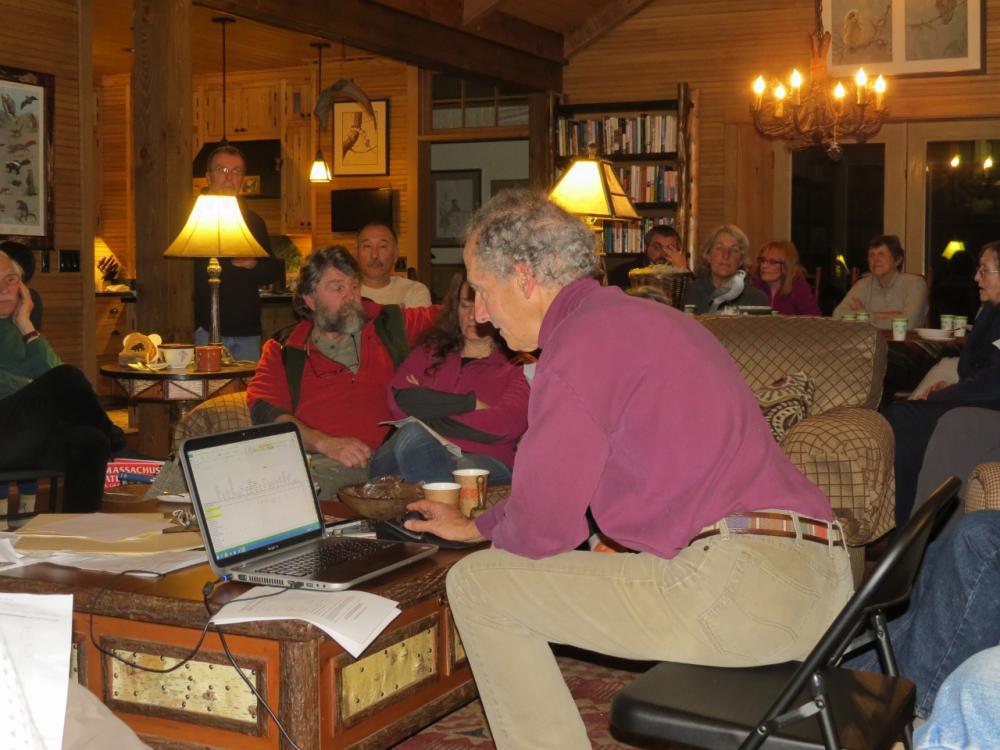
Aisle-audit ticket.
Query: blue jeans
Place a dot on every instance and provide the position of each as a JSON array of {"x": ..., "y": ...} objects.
[
  {"x": 967, "y": 710},
  {"x": 241, "y": 347},
  {"x": 954, "y": 610},
  {"x": 416, "y": 455}
]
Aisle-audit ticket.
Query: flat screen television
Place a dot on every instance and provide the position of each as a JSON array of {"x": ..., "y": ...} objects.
[{"x": 352, "y": 209}]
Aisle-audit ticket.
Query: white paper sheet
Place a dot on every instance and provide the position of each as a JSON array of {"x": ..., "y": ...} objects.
[
  {"x": 352, "y": 618},
  {"x": 37, "y": 630},
  {"x": 452, "y": 448},
  {"x": 151, "y": 565},
  {"x": 9, "y": 557}
]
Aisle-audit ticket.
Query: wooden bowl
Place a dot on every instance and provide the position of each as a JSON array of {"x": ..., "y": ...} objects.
[{"x": 379, "y": 508}]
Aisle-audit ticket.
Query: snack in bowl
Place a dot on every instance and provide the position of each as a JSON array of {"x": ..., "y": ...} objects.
[{"x": 381, "y": 498}]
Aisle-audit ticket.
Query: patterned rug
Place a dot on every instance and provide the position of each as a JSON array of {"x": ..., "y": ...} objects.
[{"x": 592, "y": 685}]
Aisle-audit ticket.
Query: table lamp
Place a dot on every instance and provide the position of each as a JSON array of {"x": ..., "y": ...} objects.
[
  {"x": 591, "y": 190},
  {"x": 215, "y": 229}
]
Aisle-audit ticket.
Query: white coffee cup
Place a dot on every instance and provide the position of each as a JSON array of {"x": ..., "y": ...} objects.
[
  {"x": 899, "y": 329},
  {"x": 177, "y": 356}
]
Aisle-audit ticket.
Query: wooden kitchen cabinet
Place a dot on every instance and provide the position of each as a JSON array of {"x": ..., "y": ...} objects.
[
  {"x": 297, "y": 154},
  {"x": 253, "y": 111}
]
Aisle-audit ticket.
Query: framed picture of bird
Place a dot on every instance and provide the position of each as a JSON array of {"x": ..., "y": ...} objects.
[
  {"x": 361, "y": 138},
  {"x": 26, "y": 104},
  {"x": 905, "y": 37}
]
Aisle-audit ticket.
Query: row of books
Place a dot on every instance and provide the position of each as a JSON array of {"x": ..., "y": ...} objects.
[
  {"x": 626, "y": 237},
  {"x": 649, "y": 183},
  {"x": 639, "y": 134}
]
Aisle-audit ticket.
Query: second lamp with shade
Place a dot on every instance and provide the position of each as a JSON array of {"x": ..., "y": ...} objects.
[
  {"x": 215, "y": 229},
  {"x": 590, "y": 189}
]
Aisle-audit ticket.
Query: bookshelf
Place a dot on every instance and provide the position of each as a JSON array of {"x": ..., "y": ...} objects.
[{"x": 650, "y": 144}]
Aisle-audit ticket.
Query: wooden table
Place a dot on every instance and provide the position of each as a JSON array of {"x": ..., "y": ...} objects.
[
  {"x": 178, "y": 389},
  {"x": 414, "y": 673}
]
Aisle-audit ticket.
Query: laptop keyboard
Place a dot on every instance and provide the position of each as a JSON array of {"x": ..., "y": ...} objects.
[{"x": 338, "y": 551}]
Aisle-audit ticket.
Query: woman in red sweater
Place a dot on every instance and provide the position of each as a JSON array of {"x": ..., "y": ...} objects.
[{"x": 459, "y": 382}]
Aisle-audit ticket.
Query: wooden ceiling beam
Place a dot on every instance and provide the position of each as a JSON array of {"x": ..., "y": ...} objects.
[
  {"x": 599, "y": 23},
  {"x": 392, "y": 33},
  {"x": 474, "y": 11}
]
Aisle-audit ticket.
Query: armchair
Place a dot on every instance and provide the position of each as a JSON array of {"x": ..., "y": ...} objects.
[{"x": 844, "y": 446}]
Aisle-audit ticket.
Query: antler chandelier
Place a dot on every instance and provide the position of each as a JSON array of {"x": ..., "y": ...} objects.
[{"x": 827, "y": 113}]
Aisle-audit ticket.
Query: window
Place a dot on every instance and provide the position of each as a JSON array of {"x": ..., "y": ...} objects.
[{"x": 457, "y": 103}]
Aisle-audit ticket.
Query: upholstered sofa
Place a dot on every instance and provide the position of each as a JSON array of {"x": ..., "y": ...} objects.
[
  {"x": 982, "y": 492},
  {"x": 844, "y": 446}
]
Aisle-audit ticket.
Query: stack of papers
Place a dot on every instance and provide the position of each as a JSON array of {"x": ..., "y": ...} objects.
[
  {"x": 103, "y": 533},
  {"x": 352, "y": 618}
]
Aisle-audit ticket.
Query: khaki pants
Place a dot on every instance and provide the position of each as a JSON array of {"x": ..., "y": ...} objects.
[{"x": 736, "y": 600}]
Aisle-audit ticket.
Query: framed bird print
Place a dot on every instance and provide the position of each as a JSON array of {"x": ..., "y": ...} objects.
[
  {"x": 26, "y": 103},
  {"x": 361, "y": 138},
  {"x": 905, "y": 37}
]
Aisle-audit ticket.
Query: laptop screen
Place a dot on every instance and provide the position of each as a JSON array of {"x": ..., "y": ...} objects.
[{"x": 254, "y": 491}]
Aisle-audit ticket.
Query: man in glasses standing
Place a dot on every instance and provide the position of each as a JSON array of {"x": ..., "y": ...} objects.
[{"x": 239, "y": 300}]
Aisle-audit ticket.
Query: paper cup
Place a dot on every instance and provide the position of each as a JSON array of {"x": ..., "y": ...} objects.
[
  {"x": 473, "y": 488},
  {"x": 850, "y": 317},
  {"x": 863, "y": 316},
  {"x": 947, "y": 322},
  {"x": 960, "y": 322},
  {"x": 443, "y": 492},
  {"x": 899, "y": 329}
]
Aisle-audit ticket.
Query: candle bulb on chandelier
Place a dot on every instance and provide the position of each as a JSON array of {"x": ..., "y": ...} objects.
[
  {"x": 779, "y": 100},
  {"x": 860, "y": 85},
  {"x": 796, "y": 82},
  {"x": 879, "y": 92},
  {"x": 758, "y": 89},
  {"x": 839, "y": 92}
]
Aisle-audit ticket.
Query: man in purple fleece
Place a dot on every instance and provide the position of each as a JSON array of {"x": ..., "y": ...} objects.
[{"x": 737, "y": 559}]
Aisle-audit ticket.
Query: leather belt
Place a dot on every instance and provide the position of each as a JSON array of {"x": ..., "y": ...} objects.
[{"x": 777, "y": 523}]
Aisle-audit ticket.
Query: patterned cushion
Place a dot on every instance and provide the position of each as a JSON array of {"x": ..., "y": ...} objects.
[
  {"x": 983, "y": 489},
  {"x": 786, "y": 402}
]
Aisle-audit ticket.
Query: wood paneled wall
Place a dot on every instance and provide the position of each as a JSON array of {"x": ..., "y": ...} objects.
[
  {"x": 44, "y": 36},
  {"x": 380, "y": 78},
  {"x": 719, "y": 46},
  {"x": 114, "y": 129}
]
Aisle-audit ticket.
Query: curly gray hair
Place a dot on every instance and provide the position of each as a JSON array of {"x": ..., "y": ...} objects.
[
  {"x": 334, "y": 256},
  {"x": 733, "y": 231},
  {"x": 524, "y": 227}
]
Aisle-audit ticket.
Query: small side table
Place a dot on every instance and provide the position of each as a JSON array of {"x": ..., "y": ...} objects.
[{"x": 179, "y": 390}]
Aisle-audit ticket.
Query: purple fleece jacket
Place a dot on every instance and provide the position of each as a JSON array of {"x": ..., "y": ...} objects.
[
  {"x": 656, "y": 432},
  {"x": 799, "y": 301},
  {"x": 495, "y": 381}
]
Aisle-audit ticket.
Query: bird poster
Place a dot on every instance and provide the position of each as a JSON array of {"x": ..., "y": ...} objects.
[
  {"x": 23, "y": 145},
  {"x": 904, "y": 37},
  {"x": 360, "y": 141}
]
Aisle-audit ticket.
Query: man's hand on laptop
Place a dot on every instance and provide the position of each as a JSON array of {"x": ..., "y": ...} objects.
[
  {"x": 348, "y": 450},
  {"x": 444, "y": 520}
]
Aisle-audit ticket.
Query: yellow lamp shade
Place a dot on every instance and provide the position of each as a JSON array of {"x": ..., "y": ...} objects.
[
  {"x": 590, "y": 188},
  {"x": 320, "y": 170},
  {"x": 215, "y": 229},
  {"x": 955, "y": 246}
]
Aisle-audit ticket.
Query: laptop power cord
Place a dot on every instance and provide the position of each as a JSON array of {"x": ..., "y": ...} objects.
[{"x": 206, "y": 593}]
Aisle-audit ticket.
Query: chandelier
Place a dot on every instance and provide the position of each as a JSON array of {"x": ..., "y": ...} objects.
[{"x": 826, "y": 113}]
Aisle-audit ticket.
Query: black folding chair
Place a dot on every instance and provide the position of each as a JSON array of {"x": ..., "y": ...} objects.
[{"x": 720, "y": 707}]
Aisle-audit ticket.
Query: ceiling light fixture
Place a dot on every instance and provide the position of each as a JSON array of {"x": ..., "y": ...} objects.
[
  {"x": 823, "y": 115},
  {"x": 320, "y": 170}
]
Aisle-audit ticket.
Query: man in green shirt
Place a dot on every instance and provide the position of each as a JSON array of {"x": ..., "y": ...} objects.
[{"x": 49, "y": 411}]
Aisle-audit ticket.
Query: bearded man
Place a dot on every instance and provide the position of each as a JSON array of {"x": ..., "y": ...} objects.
[{"x": 331, "y": 374}]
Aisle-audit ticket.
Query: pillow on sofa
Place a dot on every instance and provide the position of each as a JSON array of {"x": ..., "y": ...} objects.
[{"x": 786, "y": 401}]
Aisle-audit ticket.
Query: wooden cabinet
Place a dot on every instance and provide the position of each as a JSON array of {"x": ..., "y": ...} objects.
[
  {"x": 297, "y": 155},
  {"x": 115, "y": 320},
  {"x": 253, "y": 111},
  {"x": 276, "y": 314},
  {"x": 649, "y": 143}
]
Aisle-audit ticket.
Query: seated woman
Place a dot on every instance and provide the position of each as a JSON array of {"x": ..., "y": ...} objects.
[
  {"x": 725, "y": 252},
  {"x": 460, "y": 383},
  {"x": 913, "y": 422},
  {"x": 50, "y": 414},
  {"x": 887, "y": 292},
  {"x": 780, "y": 276}
]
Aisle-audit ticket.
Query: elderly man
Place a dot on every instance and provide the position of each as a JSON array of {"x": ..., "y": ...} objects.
[
  {"x": 49, "y": 412},
  {"x": 239, "y": 298},
  {"x": 331, "y": 374},
  {"x": 661, "y": 244},
  {"x": 738, "y": 559},
  {"x": 378, "y": 250},
  {"x": 724, "y": 253}
]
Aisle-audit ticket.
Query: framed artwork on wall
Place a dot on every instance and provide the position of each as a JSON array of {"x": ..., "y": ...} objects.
[
  {"x": 360, "y": 142},
  {"x": 457, "y": 193},
  {"x": 905, "y": 37},
  {"x": 26, "y": 104}
]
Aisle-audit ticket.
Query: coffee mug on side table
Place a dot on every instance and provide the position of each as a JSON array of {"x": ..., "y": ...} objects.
[
  {"x": 472, "y": 494},
  {"x": 208, "y": 358},
  {"x": 177, "y": 356}
]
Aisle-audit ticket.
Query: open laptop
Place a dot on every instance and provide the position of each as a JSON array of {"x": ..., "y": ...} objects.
[{"x": 262, "y": 522}]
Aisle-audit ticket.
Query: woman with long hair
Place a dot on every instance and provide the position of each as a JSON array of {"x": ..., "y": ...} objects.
[
  {"x": 780, "y": 276},
  {"x": 460, "y": 383}
]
